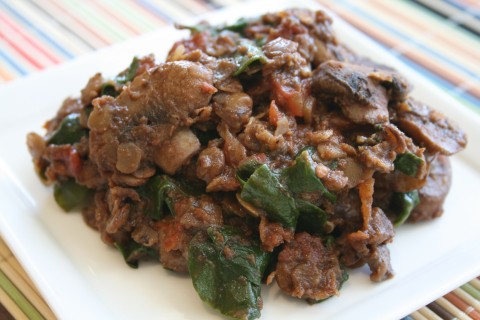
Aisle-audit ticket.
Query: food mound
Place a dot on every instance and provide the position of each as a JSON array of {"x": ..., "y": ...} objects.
[{"x": 259, "y": 151}]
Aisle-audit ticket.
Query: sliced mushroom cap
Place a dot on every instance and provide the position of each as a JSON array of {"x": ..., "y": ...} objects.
[{"x": 430, "y": 128}]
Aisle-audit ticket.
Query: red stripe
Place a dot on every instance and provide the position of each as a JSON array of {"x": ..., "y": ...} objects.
[
  {"x": 410, "y": 53},
  {"x": 80, "y": 22},
  {"x": 22, "y": 52},
  {"x": 439, "y": 35},
  {"x": 119, "y": 19},
  {"x": 28, "y": 39}
]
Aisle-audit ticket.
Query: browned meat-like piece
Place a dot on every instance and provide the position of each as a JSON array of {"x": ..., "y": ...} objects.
[
  {"x": 433, "y": 193},
  {"x": 379, "y": 263},
  {"x": 273, "y": 234},
  {"x": 210, "y": 163},
  {"x": 234, "y": 108},
  {"x": 198, "y": 213},
  {"x": 173, "y": 243},
  {"x": 308, "y": 269},
  {"x": 191, "y": 216},
  {"x": 130, "y": 132},
  {"x": 429, "y": 128},
  {"x": 289, "y": 74},
  {"x": 364, "y": 246}
]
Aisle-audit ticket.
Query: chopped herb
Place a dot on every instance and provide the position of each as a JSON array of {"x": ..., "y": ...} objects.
[
  {"x": 198, "y": 28},
  {"x": 252, "y": 54},
  {"x": 226, "y": 270},
  {"x": 69, "y": 194},
  {"x": 408, "y": 163},
  {"x": 69, "y": 131},
  {"x": 130, "y": 73},
  {"x": 133, "y": 252},
  {"x": 238, "y": 26},
  {"x": 108, "y": 89},
  {"x": 403, "y": 204}
]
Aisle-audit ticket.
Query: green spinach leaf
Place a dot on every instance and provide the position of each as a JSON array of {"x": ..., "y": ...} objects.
[
  {"x": 226, "y": 270},
  {"x": 130, "y": 73},
  {"x": 69, "y": 194},
  {"x": 311, "y": 219},
  {"x": 301, "y": 176},
  {"x": 408, "y": 163},
  {"x": 133, "y": 252},
  {"x": 69, "y": 131},
  {"x": 403, "y": 204},
  {"x": 264, "y": 190},
  {"x": 159, "y": 192}
]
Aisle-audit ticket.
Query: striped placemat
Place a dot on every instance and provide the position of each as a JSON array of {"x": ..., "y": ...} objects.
[{"x": 439, "y": 38}]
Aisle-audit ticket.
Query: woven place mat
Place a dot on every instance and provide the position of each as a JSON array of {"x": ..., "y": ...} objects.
[
  {"x": 19, "y": 298},
  {"x": 436, "y": 37}
]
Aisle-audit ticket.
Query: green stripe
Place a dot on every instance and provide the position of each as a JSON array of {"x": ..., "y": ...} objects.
[
  {"x": 95, "y": 22},
  {"x": 19, "y": 298},
  {"x": 471, "y": 290},
  {"x": 141, "y": 21}
]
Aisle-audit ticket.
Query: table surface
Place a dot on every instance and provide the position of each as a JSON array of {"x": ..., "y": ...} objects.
[{"x": 439, "y": 38}]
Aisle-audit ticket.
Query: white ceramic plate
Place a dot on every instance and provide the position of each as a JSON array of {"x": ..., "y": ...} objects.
[{"x": 83, "y": 279}]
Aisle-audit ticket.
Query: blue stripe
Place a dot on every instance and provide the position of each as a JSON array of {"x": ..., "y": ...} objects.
[
  {"x": 465, "y": 9},
  {"x": 11, "y": 62},
  {"x": 441, "y": 82},
  {"x": 154, "y": 9},
  {"x": 365, "y": 15},
  {"x": 39, "y": 32}
]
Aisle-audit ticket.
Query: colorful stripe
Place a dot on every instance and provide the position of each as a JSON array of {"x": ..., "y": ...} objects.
[
  {"x": 438, "y": 48},
  {"x": 51, "y": 31}
]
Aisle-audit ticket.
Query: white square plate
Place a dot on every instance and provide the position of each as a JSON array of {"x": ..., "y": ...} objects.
[{"x": 81, "y": 278}]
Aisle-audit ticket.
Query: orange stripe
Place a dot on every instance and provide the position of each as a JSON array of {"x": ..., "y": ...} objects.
[
  {"x": 452, "y": 45},
  {"x": 80, "y": 22},
  {"x": 28, "y": 39},
  {"x": 6, "y": 76},
  {"x": 115, "y": 17},
  {"x": 462, "y": 305},
  {"x": 410, "y": 53}
]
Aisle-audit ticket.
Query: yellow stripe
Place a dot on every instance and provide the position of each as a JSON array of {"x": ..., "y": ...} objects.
[
  {"x": 475, "y": 283},
  {"x": 447, "y": 305},
  {"x": 462, "y": 294},
  {"x": 26, "y": 288},
  {"x": 128, "y": 11},
  {"x": 77, "y": 28},
  {"x": 426, "y": 38},
  {"x": 418, "y": 316},
  {"x": 10, "y": 305}
]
